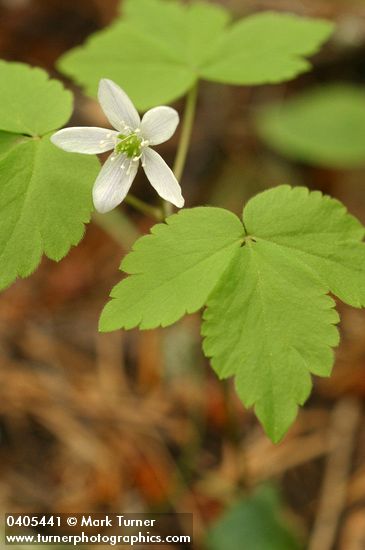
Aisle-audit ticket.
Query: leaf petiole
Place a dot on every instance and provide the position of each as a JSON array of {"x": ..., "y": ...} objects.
[
  {"x": 185, "y": 137},
  {"x": 138, "y": 204}
]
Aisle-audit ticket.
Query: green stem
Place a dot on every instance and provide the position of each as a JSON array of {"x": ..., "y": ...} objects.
[
  {"x": 118, "y": 227},
  {"x": 187, "y": 127},
  {"x": 186, "y": 131},
  {"x": 143, "y": 207}
]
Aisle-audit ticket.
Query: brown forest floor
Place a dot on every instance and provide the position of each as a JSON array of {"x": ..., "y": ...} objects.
[{"x": 136, "y": 420}]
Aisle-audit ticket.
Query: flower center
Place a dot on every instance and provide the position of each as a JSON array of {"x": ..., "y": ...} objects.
[{"x": 130, "y": 145}]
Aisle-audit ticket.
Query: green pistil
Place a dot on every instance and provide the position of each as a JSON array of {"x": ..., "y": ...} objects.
[{"x": 130, "y": 145}]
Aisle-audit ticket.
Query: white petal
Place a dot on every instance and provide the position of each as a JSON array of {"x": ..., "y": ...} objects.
[
  {"x": 162, "y": 177},
  {"x": 117, "y": 106},
  {"x": 159, "y": 124},
  {"x": 113, "y": 182},
  {"x": 87, "y": 140}
]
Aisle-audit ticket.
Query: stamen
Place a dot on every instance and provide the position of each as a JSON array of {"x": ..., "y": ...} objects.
[
  {"x": 129, "y": 144},
  {"x": 124, "y": 139}
]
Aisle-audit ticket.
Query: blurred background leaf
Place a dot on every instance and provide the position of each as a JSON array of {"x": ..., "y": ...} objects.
[
  {"x": 254, "y": 523},
  {"x": 137, "y": 421},
  {"x": 324, "y": 126},
  {"x": 158, "y": 50}
]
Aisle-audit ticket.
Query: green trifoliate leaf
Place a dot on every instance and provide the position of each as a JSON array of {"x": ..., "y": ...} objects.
[
  {"x": 158, "y": 49},
  {"x": 270, "y": 324},
  {"x": 256, "y": 520},
  {"x": 30, "y": 103},
  {"x": 278, "y": 321},
  {"x": 44, "y": 202},
  {"x": 193, "y": 42},
  {"x": 174, "y": 269},
  {"x": 318, "y": 232},
  {"x": 8, "y": 141},
  {"x": 269, "y": 320},
  {"x": 266, "y": 48},
  {"x": 325, "y": 126},
  {"x": 45, "y": 194}
]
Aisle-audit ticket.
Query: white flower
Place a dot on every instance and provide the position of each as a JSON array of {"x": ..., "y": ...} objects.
[{"x": 130, "y": 142}]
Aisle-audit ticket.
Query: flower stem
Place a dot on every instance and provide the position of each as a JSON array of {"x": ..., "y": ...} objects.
[
  {"x": 143, "y": 207},
  {"x": 183, "y": 148},
  {"x": 118, "y": 227},
  {"x": 187, "y": 127}
]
